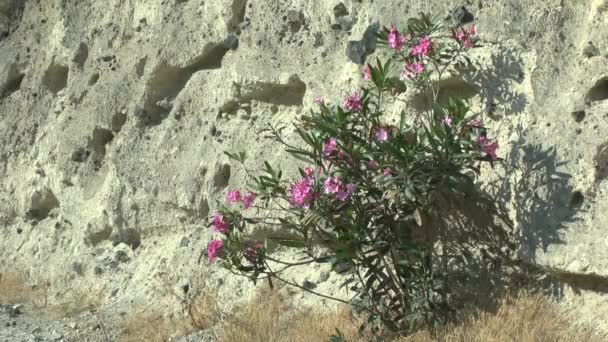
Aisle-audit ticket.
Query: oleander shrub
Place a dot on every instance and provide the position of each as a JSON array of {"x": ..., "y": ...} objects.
[{"x": 400, "y": 205}]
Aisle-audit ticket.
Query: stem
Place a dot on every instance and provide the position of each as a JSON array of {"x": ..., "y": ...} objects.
[{"x": 274, "y": 275}]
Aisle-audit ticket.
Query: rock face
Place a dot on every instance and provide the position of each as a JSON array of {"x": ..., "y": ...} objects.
[{"x": 114, "y": 115}]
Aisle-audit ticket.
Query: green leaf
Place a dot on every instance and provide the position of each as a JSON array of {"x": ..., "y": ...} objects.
[{"x": 337, "y": 337}]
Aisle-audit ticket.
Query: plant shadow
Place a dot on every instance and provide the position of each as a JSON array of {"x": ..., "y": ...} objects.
[{"x": 494, "y": 82}]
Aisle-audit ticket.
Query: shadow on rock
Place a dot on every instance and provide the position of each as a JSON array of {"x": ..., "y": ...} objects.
[{"x": 494, "y": 82}]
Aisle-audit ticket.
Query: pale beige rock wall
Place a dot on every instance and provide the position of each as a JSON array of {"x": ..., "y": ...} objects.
[{"x": 114, "y": 114}]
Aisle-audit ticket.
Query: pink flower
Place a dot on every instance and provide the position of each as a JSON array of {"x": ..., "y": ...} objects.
[
  {"x": 319, "y": 100},
  {"x": 472, "y": 31},
  {"x": 382, "y": 134},
  {"x": 412, "y": 69},
  {"x": 474, "y": 123},
  {"x": 464, "y": 37},
  {"x": 447, "y": 120},
  {"x": 330, "y": 147},
  {"x": 332, "y": 185},
  {"x": 248, "y": 200},
  {"x": 372, "y": 165},
  {"x": 352, "y": 102},
  {"x": 488, "y": 146},
  {"x": 214, "y": 249},
  {"x": 309, "y": 171},
  {"x": 301, "y": 193},
  {"x": 367, "y": 73},
  {"x": 253, "y": 251},
  {"x": 219, "y": 224},
  {"x": 423, "y": 47},
  {"x": 345, "y": 191},
  {"x": 387, "y": 171},
  {"x": 395, "y": 39},
  {"x": 234, "y": 196}
]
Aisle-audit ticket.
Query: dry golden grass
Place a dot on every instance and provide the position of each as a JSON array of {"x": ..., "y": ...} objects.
[
  {"x": 12, "y": 288},
  {"x": 150, "y": 325},
  {"x": 269, "y": 318},
  {"x": 15, "y": 289},
  {"x": 527, "y": 318}
]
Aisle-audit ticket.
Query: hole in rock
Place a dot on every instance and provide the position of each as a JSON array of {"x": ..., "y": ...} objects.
[
  {"x": 140, "y": 67},
  {"x": 168, "y": 81},
  {"x": 81, "y": 55},
  {"x": 601, "y": 162},
  {"x": 13, "y": 81},
  {"x": 221, "y": 176},
  {"x": 56, "y": 78},
  {"x": 130, "y": 237},
  {"x": 599, "y": 91},
  {"x": 94, "y": 78},
  {"x": 289, "y": 94},
  {"x": 118, "y": 120},
  {"x": 577, "y": 199},
  {"x": 238, "y": 8},
  {"x": 41, "y": 203}
]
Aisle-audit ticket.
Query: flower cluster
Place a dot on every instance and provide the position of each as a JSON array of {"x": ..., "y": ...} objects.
[
  {"x": 352, "y": 102},
  {"x": 302, "y": 193},
  {"x": 465, "y": 37},
  {"x": 334, "y": 185},
  {"x": 219, "y": 224},
  {"x": 396, "y": 40},
  {"x": 214, "y": 249},
  {"x": 488, "y": 146},
  {"x": 330, "y": 147},
  {"x": 367, "y": 73},
  {"x": 423, "y": 48},
  {"x": 382, "y": 134},
  {"x": 235, "y": 196},
  {"x": 253, "y": 251},
  {"x": 411, "y": 70}
]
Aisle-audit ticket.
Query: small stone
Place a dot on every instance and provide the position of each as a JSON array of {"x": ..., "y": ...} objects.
[
  {"x": 590, "y": 50},
  {"x": 323, "y": 276},
  {"x": 114, "y": 292},
  {"x": 15, "y": 310}
]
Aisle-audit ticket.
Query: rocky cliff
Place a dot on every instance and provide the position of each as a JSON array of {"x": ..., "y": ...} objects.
[{"x": 114, "y": 115}]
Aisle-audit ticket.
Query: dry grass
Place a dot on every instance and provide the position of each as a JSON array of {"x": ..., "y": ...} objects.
[
  {"x": 15, "y": 289},
  {"x": 527, "y": 318},
  {"x": 269, "y": 318},
  {"x": 199, "y": 310},
  {"x": 12, "y": 288}
]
